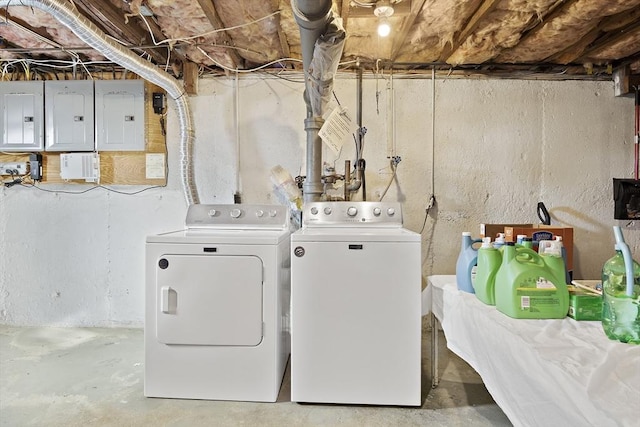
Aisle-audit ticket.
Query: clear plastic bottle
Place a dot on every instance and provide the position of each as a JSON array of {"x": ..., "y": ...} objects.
[{"x": 620, "y": 312}]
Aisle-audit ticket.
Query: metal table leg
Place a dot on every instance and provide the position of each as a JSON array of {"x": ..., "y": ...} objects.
[{"x": 435, "y": 324}]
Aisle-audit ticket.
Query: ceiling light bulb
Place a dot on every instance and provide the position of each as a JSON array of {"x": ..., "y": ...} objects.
[{"x": 384, "y": 29}]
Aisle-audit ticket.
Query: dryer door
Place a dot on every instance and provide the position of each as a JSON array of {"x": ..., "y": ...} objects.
[{"x": 209, "y": 300}]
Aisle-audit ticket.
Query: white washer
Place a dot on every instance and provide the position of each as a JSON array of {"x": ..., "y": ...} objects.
[
  {"x": 217, "y": 305},
  {"x": 355, "y": 306}
]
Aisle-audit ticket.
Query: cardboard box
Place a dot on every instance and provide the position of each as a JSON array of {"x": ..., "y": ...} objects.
[
  {"x": 584, "y": 305},
  {"x": 544, "y": 232},
  {"x": 492, "y": 230}
]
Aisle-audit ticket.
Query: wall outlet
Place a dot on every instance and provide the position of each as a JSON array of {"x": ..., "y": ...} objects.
[{"x": 18, "y": 168}]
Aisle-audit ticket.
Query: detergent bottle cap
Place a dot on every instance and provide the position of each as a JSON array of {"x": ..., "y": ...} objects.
[
  {"x": 558, "y": 238},
  {"x": 486, "y": 242},
  {"x": 466, "y": 233}
]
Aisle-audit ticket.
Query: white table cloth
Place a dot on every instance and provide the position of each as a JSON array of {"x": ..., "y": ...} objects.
[{"x": 556, "y": 372}]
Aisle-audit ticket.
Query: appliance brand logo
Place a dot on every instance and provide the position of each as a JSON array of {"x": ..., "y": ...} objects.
[{"x": 298, "y": 251}]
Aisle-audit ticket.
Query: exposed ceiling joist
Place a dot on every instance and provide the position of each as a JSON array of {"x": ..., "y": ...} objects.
[
  {"x": 38, "y": 33},
  {"x": 210, "y": 11},
  {"x": 472, "y": 24},
  {"x": 407, "y": 24},
  {"x": 282, "y": 37},
  {"x": 108, "y": 18},
  {"x": 611, "y": 38},
  {"x": 344, "y": 12}
]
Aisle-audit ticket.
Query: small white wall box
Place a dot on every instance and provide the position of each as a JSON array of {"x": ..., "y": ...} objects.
[
  {"x": 22, "y": 116},
  {"x": 69, "y": 110},
  {"x": 119, "y": 106},
  {"x": 80, "y": 166}
]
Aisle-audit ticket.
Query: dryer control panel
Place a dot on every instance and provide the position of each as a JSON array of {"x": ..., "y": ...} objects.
[
  {"x": 269, "y": 217},
  {"x": 350, "y": 214}
]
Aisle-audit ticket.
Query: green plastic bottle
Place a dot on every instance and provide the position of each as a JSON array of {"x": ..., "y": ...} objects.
[
  {"x": 531, "y": 286},
  {"x": 489, "y": 260},
  {"x": 620, "y": 311}
]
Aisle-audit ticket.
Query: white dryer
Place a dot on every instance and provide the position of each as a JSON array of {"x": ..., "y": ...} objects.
[
  {"x": 355, "y": 306},
  {"x": 217, "y": 305}
]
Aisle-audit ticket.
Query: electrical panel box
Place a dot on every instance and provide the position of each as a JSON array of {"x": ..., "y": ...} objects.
[
  {"x": 22, "y": 116},
  {"x": 69, "y": 115},
  {"x": 119, "y": 108}
]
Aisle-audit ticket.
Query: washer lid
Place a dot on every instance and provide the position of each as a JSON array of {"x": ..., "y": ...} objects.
[
  {"x": 355, "y": 234},
  {"x": 214, "y": 236}
]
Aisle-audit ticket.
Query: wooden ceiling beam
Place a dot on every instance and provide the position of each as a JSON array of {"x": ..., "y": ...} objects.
[
  {"x": 38, "y": 33},
  {"x": 615, "y": 28},
  {"x": 344, "y": 12},
  {"x": 470, "y": 27},
  {"x": 210, "y": 11},
  {"x": 282, "y": 37},
  {"x": 112, "y": 20},
  {"x": 407, "y": 25},
  {"x": 611, "y": 39},
  {"x": 558, "y": 9}
]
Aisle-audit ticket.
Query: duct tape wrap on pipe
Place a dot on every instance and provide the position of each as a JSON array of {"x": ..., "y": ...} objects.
[{"x": 94, "y": 37}]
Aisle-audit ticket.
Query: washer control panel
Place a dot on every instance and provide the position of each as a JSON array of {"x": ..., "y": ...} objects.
[
  {"x": 238, "y": 216},
  {"x": 347, "y": 214}
]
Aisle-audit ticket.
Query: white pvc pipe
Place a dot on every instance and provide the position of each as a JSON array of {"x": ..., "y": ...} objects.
[{"x": 94, "y": 37}]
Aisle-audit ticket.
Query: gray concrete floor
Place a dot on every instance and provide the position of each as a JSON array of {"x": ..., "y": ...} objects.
[{"x": 94, "y": 376}]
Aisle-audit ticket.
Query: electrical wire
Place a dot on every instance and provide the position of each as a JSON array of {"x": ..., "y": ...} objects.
[
  {"x": 394, "y": 168},
  {"x": 171, "y": 41},
  {"x": 34, "y": 186}
]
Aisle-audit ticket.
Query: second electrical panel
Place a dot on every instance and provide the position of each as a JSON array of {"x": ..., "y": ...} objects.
[
  {"x": 119, "y": 108},
  {"x": 69, "y": 115}
]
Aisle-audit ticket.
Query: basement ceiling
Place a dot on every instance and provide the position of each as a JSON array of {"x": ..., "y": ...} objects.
[{"x": 512, "y": 38}]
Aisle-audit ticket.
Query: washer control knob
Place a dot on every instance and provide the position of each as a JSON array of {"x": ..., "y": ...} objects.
[
  {"x": 259, "y": 213},
  {"x": 212, "y": 212},
  {"x": 314, "y": 210},
  {"x": 377, "y": 211},
  {"x": 272, "y": 213},
  {"x": 327, "y": 210},
  {"x": 352, "y": 211},
  {"x": 391, "y": 211},
  {"x": 235, "y": 213}
]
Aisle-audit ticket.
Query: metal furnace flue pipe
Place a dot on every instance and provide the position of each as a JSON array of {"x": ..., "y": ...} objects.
[
  {"x": 312, "y": 17},
  {"x": 94, "y": 37}
]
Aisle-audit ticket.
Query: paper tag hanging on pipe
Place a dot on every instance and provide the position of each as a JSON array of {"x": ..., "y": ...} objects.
[{"x": 337, "y": 128}]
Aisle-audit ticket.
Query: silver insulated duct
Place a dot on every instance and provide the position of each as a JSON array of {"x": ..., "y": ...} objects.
[{"x": 94, "y": 37}]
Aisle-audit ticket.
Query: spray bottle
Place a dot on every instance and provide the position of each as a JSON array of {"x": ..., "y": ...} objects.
[{"x": 621, "y": 294}]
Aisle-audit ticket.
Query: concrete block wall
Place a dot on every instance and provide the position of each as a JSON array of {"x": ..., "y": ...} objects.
[{"x": 500, "y": 147}]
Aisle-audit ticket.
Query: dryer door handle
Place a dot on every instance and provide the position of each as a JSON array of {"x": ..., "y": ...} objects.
[{"x": 168, "y": 299}]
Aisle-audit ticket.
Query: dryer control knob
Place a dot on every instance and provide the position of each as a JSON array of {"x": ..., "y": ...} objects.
[
  {"x": 352, "y": 211},
  {"x": 327, "y": 210},
  {"x": 273, "y": 213},
  {"x": 314, "y": 210},
  {"x": 377, "y": 211},
  {"x": 259, "y": 213},
  {"x": 391, "y": 211},
  {"x": 212, "y": 212},
  {"x": 235, "y": 213}
]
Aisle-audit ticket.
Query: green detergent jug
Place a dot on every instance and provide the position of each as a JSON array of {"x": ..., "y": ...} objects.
[
  {"x": 531, "y": 286},
  {"x": 489, "y": 260}
]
